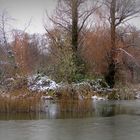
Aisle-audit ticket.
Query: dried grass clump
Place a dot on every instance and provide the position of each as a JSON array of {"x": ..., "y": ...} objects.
[{"x": 20, "y": 103}]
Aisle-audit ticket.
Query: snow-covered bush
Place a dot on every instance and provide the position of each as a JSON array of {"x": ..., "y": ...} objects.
[{"x": 41, "y": 83}]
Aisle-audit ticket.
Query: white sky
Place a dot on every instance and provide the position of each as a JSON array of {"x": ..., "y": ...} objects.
[{"x": 24, "y": 10}]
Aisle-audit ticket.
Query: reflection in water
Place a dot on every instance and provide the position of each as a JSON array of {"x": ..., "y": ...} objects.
[
  {"x": 112, "y": 108},
  {"x": 62, "y": 109},
  {"x": 22, "y": 116},
  {"x": 89, "y": 108},
  {"x": 105, "y": 120},
  {"x": 75, "y": 109},
  {"x": 122, "y": 127}
]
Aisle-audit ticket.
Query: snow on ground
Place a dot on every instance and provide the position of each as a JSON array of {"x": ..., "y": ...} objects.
[
  {"x": 41, "y": 83},
  {"x": 137, "y": 95},
  {"x": 97, "y": 98}
]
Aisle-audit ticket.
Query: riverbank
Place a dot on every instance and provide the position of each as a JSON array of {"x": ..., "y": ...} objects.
[
  {"x": 26, "y": 94},
  {"x": 88, "y": 89}
]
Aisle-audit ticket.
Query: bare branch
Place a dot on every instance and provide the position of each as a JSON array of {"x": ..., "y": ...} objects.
[{"x": 27, "y": 25}]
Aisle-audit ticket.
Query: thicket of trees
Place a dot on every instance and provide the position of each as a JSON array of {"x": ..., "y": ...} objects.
[{"x": 88, "y": 39}]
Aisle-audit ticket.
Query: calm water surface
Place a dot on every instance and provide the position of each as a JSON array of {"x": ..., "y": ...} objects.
[{"x": 104, "y": 120}]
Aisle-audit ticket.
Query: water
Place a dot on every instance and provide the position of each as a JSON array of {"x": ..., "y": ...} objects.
[{"x": 105, "y": 120}]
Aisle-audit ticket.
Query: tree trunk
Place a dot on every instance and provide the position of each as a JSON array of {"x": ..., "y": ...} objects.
[
  {"x": 74, "y": 25},
  {"x": 110, "y": 77}
]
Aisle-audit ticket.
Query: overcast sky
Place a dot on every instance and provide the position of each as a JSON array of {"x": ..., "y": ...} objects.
[{"x": 24, "y": 10}]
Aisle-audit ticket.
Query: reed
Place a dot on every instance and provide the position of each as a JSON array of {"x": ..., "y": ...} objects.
[
  {"x": 22, "y": 103},
  {"x": 75, "y": 105}
]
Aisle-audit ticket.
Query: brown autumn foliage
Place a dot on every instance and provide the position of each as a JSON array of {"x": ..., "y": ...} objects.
[
  {"x": 20, "y": 46},
  {"x": 96, "y": 54},
  {"x": 27, "y": 55},
  {"x": 95, "y": 51}
]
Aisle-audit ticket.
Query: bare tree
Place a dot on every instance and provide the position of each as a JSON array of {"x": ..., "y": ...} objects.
[
  {"x": 120, "y": 11},
  {"x": 5, "y": 21},
  {"x": 72, "y": 16},
  {"x": 6, "y": 67}
]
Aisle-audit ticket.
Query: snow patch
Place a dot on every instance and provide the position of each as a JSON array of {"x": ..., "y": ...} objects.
[
  {"x": 41, "y": 83},
  {"x": 97, "y": 98},
  {"x": 137, "y": 96}
]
